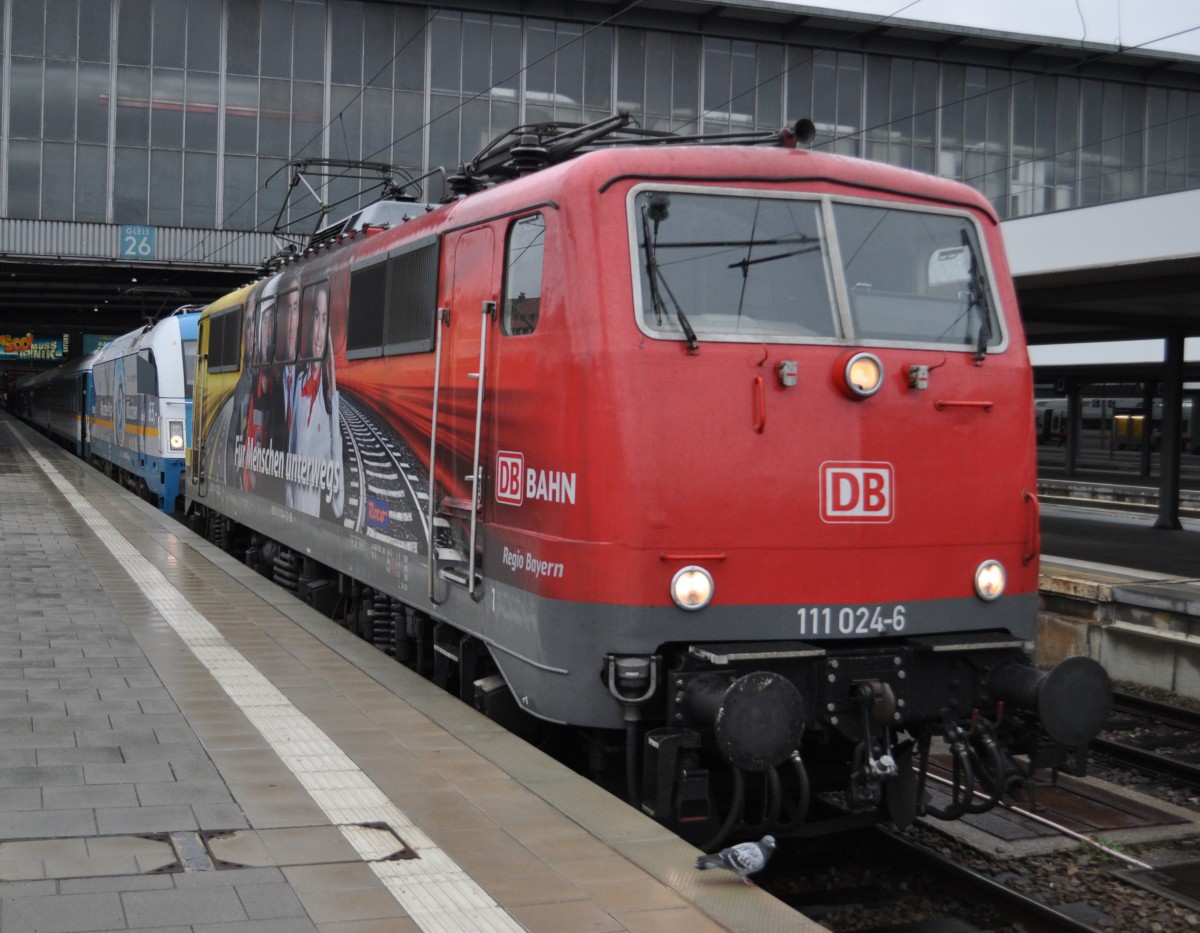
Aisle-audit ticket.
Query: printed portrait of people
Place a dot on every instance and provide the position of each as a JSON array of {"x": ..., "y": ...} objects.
[
  {"x": 266, "y": 424},
  {"x": 287, "y": 345},
  {"x": 315, "y": 473},
  {"x": 239, "y": 415}
]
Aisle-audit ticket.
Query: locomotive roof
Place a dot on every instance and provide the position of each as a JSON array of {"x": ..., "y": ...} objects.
[
  {"x": 146, "y": 335},
  {"x": 536, "y": 150},
  {"x": 64, "y": 370},
  {"x": 602, "y": 168}
]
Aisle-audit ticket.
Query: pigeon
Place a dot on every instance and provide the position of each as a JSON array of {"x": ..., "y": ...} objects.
[{"x": 743, "y": 859}]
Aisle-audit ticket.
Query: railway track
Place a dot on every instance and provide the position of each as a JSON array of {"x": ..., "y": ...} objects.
[
  {"x": 1116, "y": 462},
  {"x": 1010, "y": 905},
  {"x": 877, "y": 880},
  {"x": 1154, "y": 737}
]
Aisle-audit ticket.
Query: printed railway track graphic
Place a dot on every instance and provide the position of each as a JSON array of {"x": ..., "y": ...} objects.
[{"x": 386, "y": 485}]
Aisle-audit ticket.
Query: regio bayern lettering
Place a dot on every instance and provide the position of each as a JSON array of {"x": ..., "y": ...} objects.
[{"x": 516, "y": 560}]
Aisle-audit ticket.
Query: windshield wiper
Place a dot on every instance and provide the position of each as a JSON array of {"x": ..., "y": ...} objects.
[
  {"x": 744, "y": 264},
  {"x": 978, "y": 297},
  {"x": 657, "y": 279}
]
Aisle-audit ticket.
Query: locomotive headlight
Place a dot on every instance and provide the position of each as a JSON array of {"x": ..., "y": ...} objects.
[
  {"x": 692, "y": 588},
  {"x": 863, "y": 375},
  {"x": 990, "y": 579},
  {"x": 175, "y": 435}
]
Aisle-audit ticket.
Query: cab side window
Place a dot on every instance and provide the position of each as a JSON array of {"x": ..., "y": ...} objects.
[
  {"x": 393, "y": 302},
  {"x": 523, "y": 275},
  {"x": 225, "y": 341}
]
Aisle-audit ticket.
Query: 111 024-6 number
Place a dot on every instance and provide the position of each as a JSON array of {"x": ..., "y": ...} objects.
[{"x": 850, "y": 620}]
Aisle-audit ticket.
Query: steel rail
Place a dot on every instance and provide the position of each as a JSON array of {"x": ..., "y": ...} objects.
[
  {"x": 1164, "y": 712},
  {"x": 1147, "y": 760},
  {"x": 1144, "y": 759},
  {"x": 1057, "y": 827},
  {"x": 1039, "y": 916}
]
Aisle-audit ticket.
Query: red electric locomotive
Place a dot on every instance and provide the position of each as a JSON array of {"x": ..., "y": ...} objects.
[{"x": 725, "y": 446}]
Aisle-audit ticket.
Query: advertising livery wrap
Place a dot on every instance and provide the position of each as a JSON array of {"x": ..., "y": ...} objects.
[{"x": 282, "y": 425}]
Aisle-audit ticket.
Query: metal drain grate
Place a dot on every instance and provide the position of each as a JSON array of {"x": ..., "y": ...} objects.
[{"x": 193, "y": 852}]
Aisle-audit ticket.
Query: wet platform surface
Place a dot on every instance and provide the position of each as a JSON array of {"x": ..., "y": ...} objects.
[
  {"x": 1122, "y": 540},
  {"x": 184, "y": 746}
]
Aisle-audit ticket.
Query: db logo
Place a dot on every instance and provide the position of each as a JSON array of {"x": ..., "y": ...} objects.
[
  {"x": 510, "y": 477},
  {"x": 856, "y": 492}
]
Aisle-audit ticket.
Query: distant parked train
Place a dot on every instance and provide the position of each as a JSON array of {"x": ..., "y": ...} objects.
[
  {"x": 1112, "y": 422},
  {"x": 56, "y": 401},
  {"x": 726, "y": 447},
  {"x": 126, "y": 407}
]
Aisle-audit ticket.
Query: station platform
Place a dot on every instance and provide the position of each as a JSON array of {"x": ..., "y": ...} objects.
[
  {"x": 185, "y": 746},
  {"x": 1122, "y": 539},
  {"x": 1117, "y": 589}
]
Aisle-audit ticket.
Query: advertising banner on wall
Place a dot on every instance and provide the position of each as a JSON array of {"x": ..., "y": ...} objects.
[
  {"x": 27, "y": 346},
  {"x": 93, "y": 342}
]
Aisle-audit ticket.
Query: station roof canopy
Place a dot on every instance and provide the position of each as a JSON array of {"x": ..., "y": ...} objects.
[
  {"x": 829, "y": 27},
  {"x": 1087, "y": 290},
  {"x": 1119, "y": 271},
  {"x": 52, "y": 296}
]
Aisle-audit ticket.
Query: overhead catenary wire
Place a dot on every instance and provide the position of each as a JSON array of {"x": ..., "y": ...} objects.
[
  {"x": 632, "y": 4},
  {"x": 859, "y": 134},
  {"x": 420, "y": 129},
  {"x": 434, "y": 11}
]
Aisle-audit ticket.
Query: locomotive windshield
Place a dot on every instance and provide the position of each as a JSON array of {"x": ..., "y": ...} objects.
[
  {"x": 189, "y": 366},
  {"x": 742, "y": 266},
  {"x": 747, "y": 267},
  {"x": 914, "y": 276}
]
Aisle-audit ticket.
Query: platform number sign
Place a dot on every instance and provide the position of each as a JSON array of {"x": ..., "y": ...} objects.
[{"x": 138, "y": 242}]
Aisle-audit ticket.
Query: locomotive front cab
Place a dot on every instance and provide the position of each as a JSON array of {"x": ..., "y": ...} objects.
[
  {"x": 141, "y": 407},
  {"x": 841, "y": 438}
]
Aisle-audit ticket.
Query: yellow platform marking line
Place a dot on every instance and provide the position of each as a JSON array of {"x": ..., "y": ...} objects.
[{"x": 436, "y": 893}]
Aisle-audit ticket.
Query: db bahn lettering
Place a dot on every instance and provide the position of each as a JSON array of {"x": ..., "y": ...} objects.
[
  {"x": 515, "y": 483},
  {"x": 550, "y": 485},
  {"x": 856, "y": 492}
]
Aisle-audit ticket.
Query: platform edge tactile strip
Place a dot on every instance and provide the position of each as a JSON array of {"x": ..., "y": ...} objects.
[{"x": 287, "y": 729}]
